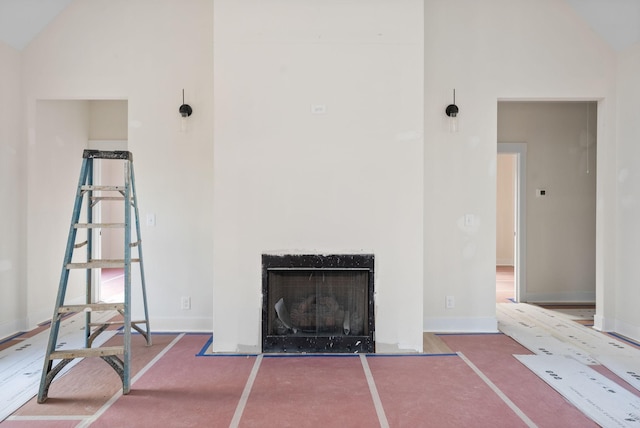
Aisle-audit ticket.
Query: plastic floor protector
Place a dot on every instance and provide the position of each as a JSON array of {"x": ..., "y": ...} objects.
[
  {"x": 575, "y": 314},
  {"x": 625, "y": 367},
  {"x": 549, "y": 345},
  {"x": 522, "y": 321},
  {"x": 21, "y": 366},
  {"x": 599, "y": 398}
]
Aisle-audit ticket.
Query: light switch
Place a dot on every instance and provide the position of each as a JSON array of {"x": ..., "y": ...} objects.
[
  {"x": 468, "y": 220},
  {"x": 318, "y": 109}
]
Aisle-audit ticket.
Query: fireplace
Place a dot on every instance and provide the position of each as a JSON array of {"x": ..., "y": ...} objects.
[{"x": 318, "y": 303}]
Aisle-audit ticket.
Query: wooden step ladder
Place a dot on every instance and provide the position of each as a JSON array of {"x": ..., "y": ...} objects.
[{"x": 118, "y": 357}]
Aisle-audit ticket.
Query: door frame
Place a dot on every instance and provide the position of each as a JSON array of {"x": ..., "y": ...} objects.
[{"x": 520, "y": 268}]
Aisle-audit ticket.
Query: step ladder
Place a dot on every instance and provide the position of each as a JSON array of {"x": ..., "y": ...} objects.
[{"x": 118, "y": 357}]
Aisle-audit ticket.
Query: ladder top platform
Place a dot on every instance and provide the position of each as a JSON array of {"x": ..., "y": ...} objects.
[{"x": 105, "y": 154}]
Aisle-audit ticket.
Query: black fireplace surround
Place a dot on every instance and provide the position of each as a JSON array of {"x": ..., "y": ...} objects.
[{"x": 318, "y": 303}]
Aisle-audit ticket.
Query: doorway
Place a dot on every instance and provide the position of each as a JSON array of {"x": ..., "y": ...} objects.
[
  {"x": 108, "y": 130},
  {"x": 560, "y": 194},
  {"x": 510, "y": 225},
  {"x": 63, "y": 129},
  {"x": 108, "y": 242}
]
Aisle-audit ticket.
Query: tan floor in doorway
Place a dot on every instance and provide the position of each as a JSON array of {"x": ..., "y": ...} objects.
[
  {"x": 504, "y": 284},
  {"x": 433, "y": 344}
]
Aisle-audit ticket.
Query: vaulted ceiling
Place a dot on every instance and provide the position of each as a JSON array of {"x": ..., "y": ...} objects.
[
  {"x": 617, "y": 21},
  {"x": 22, "y": 20}
]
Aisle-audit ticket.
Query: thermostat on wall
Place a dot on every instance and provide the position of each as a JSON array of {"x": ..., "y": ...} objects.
[{"x": 541, "y": 192}]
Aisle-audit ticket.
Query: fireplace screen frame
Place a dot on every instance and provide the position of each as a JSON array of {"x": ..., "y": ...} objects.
[{"x": 319, "y": 343}]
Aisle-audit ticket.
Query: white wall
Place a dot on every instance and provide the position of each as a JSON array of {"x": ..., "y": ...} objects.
[
  {"x": 108, "y": 120},
  {"x": 146, "y": 52},
  {"x": 488, "y": 51},
  {"x": 626, "y": 318},
  {"x": 54, "y": 159},
  {"x": 560, "y": 226},
  {"x": 505, "y": 209},
  {"x": 347, "y": 180},
  {"x": 109, "y": 126},
  {"x": 12, "y": 191}
]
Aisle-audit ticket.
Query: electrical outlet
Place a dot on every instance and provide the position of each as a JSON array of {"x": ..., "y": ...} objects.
[
  {"x": 151, "y": 220},
  {"x": 449, "y": 302},
  {"x": 185, "y": 303}
]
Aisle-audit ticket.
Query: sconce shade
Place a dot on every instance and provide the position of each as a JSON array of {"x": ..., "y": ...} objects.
[{"x": 185, "y": 110}]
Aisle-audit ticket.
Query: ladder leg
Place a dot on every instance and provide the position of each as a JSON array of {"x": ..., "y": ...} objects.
[
  {"x": 89, "y": 277},
  {"x": 127, "y": 279},
  {"x": 62, "y": 287},
  {"x": 138, "y": 237}
]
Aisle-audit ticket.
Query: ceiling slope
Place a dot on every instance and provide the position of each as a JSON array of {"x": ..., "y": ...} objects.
[
  {"x": 617, "y": 21},
  {"x": 22, "y": 20}
]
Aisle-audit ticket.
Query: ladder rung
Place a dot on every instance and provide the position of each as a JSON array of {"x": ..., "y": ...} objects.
[
  {"x": 80, "y": 244},
  {"x": 91, "y": 307},
  {"x": 107, "y": 198},
  {"x": 86, "y": 352},
  {"x": 99, "y": 324},
  {"x": 94, "y": 264},
  {"x": 87, "y": 187},
  {"x": 98, "y": 225},
  {"x": 96, "y": 199}
]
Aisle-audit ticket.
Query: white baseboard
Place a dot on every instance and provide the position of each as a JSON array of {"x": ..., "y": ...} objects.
[
  {"x": 627, "y": 330},
  {"x": 182, "y": 324},
  {"x": 460, "y": 325},
  {"x": 579, "y": 297},
  {"x": 9, "y": 328}
]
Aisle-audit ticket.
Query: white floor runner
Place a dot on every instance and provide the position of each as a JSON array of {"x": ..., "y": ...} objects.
[
  {"x": 21, "y": 366},
  {"x": 564, "y": 349},
  {"x": 534, "y": 327},
  {"x": 599, "y": 398},
  {"x": 625, "y": 367}
]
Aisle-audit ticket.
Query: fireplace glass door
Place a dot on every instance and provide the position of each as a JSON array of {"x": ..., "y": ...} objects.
[{"x": 318, "y": 308}]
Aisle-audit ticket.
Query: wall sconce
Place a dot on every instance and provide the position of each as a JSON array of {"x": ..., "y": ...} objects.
[
  {"x": 452, "y": 111},
  {"x": 185, "y": 111}
]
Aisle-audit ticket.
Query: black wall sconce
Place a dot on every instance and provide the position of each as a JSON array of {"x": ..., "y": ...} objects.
[
  {"x": 452, "y": 111},
  {"x": 185, "y": 111}
]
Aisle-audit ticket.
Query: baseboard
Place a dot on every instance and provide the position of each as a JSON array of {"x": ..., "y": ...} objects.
[
  {"x": 627, "y": 330},
  {"x": 568, "y": 298},
  {"x": 460, "y": 325},
  {"x": 182, "y": 324},
  {"x": 10, "y": 328}
]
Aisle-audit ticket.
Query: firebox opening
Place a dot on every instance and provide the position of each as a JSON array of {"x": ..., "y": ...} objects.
[{"x": 318, "y": 303}]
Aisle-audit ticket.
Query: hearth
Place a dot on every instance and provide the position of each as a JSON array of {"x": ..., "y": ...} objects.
[{"x": 318, "y": 303}]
